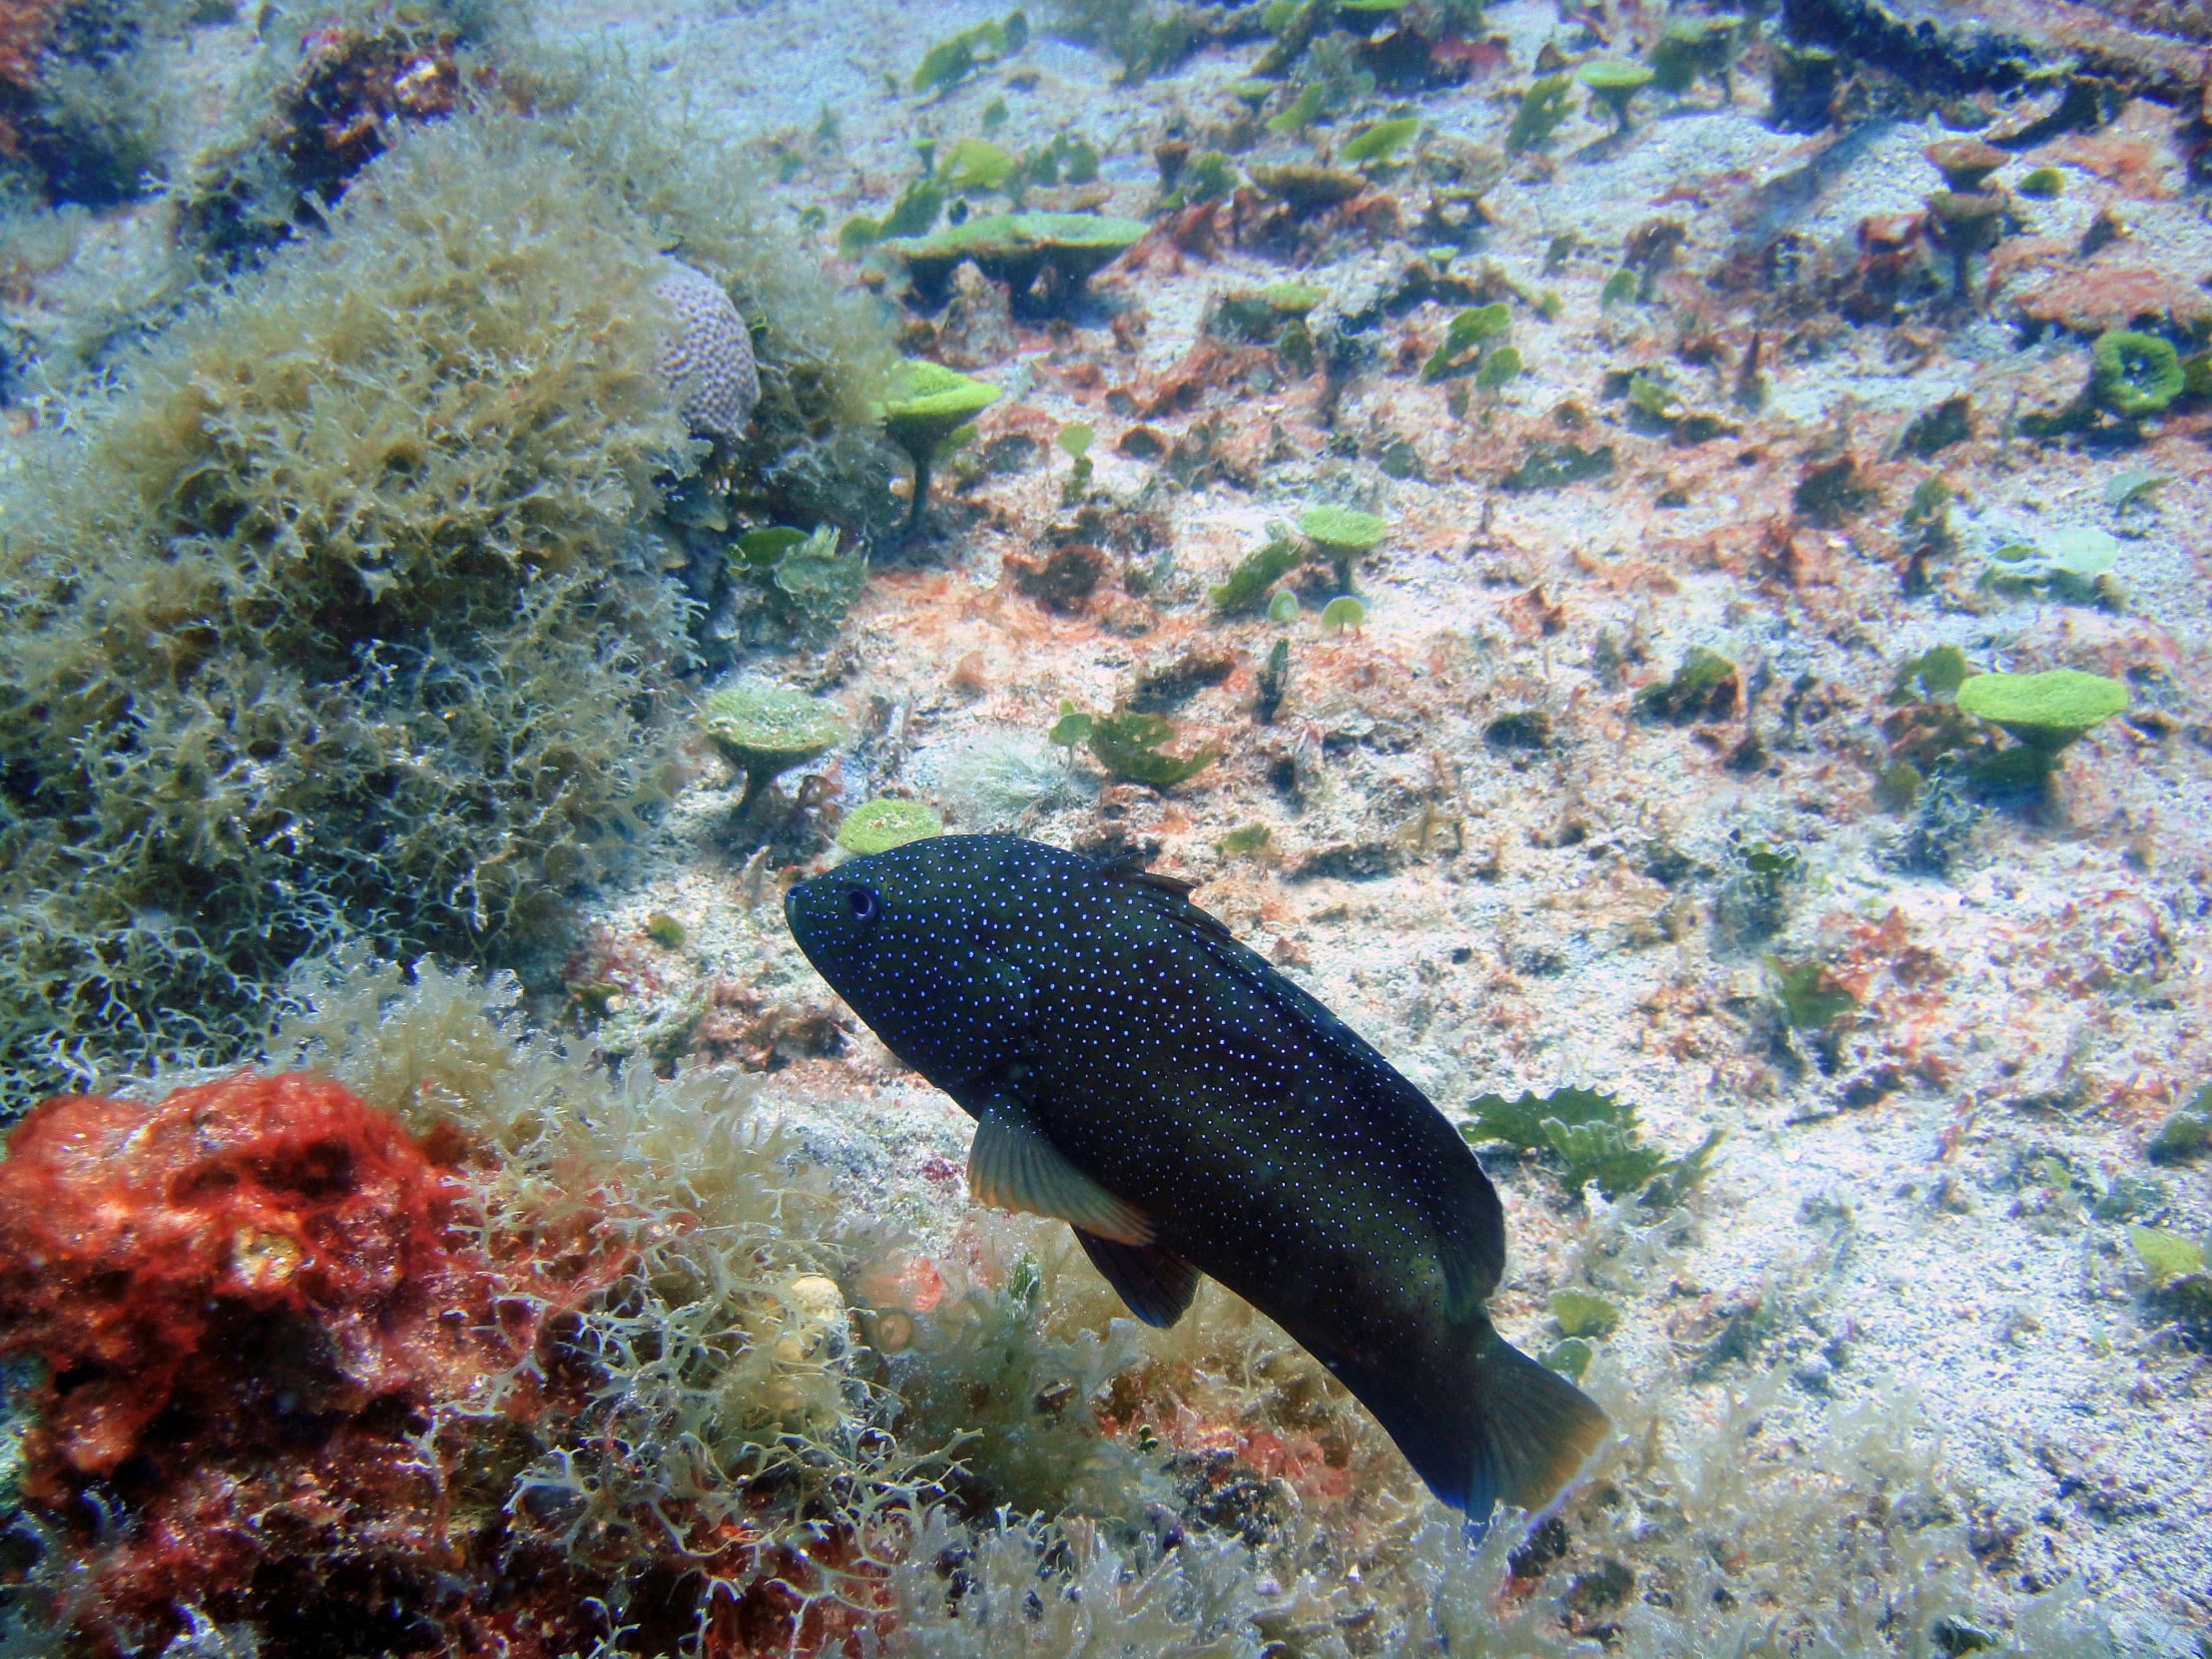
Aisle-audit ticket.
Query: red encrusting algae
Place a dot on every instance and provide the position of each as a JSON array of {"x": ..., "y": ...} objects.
[{"x": 255, "y": 1310}]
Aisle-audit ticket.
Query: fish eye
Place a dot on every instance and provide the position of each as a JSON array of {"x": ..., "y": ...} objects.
[{"x": 862, "y": 902}]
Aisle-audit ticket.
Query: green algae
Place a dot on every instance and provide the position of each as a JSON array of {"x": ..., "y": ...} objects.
[
  {"x": 1380, "y": 141},
  {"x": 1343, "y": 614},
  {"x": 1464, "y": 335},
  {"x": 1615, "y": 83},
  {"x": 881, "y": 824},
  {"x": 2135, "y": 374},
  {"x": 1594, "y": 1137},
  {"x": 1811, "y": 997},
  {"x": 2045, "y": 711},
  {"x": 1542, "y": 107},
  {"x": 767, "y": 730},
  {"x": 1131, "y": 745},
  {"x": 1058, "y": 251},
  {"x": 1579, "y": 1314},
  {"x": 1257, "y": 572},
  {"x": 930, "y": 406},
  {"x": 957, "y": 57}
]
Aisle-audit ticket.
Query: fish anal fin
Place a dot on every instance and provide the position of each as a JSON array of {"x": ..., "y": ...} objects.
[
  {"x": 1154, "y": 1281},
  {"x": 1012, "y": 1166},
  {"x": 1533, "y": 1430}
]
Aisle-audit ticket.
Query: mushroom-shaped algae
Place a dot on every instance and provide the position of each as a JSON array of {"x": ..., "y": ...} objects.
[
  {"x": 2047, "y": 712},
  {"x": 934, "y": 402},
  {"x": 1343, "y": 534},
  {"x": 1614, "y": 82},
  {"x": 766, "y": 730},
  {"x": 1018, "y": 248},
  {"x": 881, "y": 824},
  {"x": 1966, "y": 164},
  {"x": 1966, "y": 224}
]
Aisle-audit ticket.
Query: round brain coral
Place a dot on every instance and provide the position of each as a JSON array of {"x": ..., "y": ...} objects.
[{"x": 707, "y": 358}]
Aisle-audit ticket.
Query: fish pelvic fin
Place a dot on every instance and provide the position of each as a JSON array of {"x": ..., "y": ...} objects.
[
  {"x": 1154, "y": 1281},
  {"x": 1012, "y": 1166},
  {"x": 1530, "y": 1432}
]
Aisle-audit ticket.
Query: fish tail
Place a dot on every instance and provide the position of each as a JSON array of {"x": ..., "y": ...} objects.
[{"x": 1529, "y": 1432}]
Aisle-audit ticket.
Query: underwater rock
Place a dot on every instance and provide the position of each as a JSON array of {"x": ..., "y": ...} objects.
[
  {"x": 707, "y": 358},
  {"x": 977, "y": 328},
  {"x": 239, "y": 1298}
]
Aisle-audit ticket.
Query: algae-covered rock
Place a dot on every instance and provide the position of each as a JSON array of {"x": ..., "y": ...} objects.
[
  {"x": 359, "y": 550},
  {"x": 1306, "y": 186},
  {"x": 1691, "y": 48},
  {"x": 1965, "y": 163},
  {"x": 2187, "y": 1133}
]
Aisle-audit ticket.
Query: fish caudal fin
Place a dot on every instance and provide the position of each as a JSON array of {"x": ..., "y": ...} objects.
[
  {"x": 1154, "y": 1282},
  {"x": 1531, "y": 1430}
]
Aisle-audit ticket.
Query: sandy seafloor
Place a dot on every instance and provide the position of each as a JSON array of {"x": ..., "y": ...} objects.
[
  {"x": 1915, "y": 1206},
  {"x": 2049, "y": 998}
]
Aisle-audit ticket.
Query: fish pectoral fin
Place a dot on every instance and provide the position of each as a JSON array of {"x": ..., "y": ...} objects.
[
  {"x": 1011, "y": 1166},
  {"x": 1153, "y": 1282}
]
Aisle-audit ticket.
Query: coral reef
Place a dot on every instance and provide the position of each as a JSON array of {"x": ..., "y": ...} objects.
[
  {"x": 689, "y": 1395},
  {"x": 1736, "y": 461}
]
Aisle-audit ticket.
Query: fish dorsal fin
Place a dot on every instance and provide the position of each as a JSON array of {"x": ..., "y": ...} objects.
[
  {"x": 1154, "y": 1281},
  {"x": 1177, "y": 894},
  {"x": 1011, "y": 1166},
  {"x": 1138, "y": 875}
]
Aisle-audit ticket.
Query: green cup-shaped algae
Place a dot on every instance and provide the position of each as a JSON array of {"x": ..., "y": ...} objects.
[
  {"x": 1614, "y": 82},
  {"x": 1341, "y": 534},
  {"x": 933, "y": 403},
  {"x": 2046, "y": 711},
  {"x": 1341, "y": 529},
  {"x": 767, "y": 730}
]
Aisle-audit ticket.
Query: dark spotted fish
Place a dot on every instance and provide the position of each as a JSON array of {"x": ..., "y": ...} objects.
[{"x": 1136, "y": 1072}]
